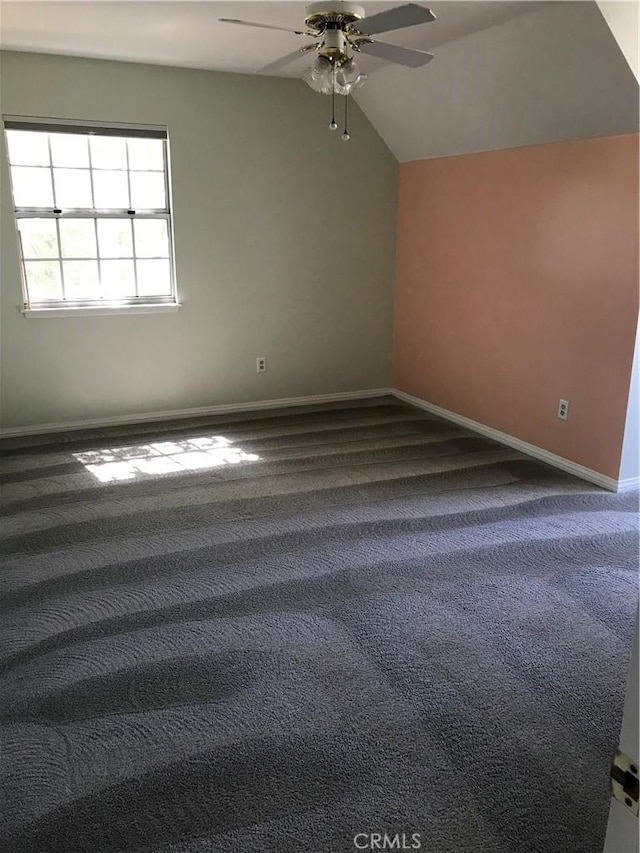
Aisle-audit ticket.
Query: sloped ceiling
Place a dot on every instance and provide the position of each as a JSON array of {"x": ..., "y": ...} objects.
[
  {"x": 623, "y": 19},
  {"x": 505, "y": 73},
  {"x": 551, "y": 74}
]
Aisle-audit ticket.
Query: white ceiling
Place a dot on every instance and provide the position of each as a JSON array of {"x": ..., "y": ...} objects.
[
  {"x": 505, "y": 73},
  {"x": 189, "y": 34}
]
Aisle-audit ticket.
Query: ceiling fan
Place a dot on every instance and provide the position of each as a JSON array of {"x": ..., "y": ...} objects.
[{"x": 340, "y": 30}]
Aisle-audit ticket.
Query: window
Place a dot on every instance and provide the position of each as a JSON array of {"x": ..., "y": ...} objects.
[{"x": 92, "y": 212}]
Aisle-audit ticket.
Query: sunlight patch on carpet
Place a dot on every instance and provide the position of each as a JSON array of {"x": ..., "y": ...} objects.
[{"x": 163, "y": 457}]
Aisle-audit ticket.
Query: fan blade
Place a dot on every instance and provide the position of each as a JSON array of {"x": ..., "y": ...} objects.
[
  {"x": 395, "y": 53},
  {"x": 262, "y": 26},
  {"x": 395, "y": 19},
  {"x": 285, "y": 60}
]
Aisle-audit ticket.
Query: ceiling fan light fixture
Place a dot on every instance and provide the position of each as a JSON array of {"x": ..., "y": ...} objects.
[
  {"x": 347, "y": 73},
  {"x": 349, "y": 77},
  {"x": 339, "y": 28},
  {"x": 319, "y": 75},
  {"x": 321, "y": 66},
  {"x": 321, "y": 85}
]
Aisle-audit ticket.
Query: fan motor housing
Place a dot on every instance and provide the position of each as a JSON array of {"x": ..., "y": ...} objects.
[{"x": 335, "y": 12}]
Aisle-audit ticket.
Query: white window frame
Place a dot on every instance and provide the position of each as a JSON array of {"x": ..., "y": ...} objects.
[{"x": 92, "y": 307}]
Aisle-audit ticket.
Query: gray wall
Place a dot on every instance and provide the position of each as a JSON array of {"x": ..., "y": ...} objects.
[{"x": 284, "y": 243}]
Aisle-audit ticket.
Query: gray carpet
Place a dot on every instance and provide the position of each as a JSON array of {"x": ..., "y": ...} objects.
[{"x": 269, "y": 633}]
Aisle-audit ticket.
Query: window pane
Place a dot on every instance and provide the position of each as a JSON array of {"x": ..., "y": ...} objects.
[
  {"x": 111, "y": 190},
  {"x": 31, "y": 187},
  {"x": 146, "y": 154},
  {"x": 81, "y": 279},
  {"x": 153, "y": 278},
  {"x": 85, "y": 254},
  {"x": 28, "y": 148},
  {"x": 69, "y": 149},
  {"x": 73, "y": 188},
  {"x": 108, "y": 152},
  {"x": 147, "y": 191},
  {"x": 78, "y": 238},
  {"x": 39, "y": 238},
  {"x": 118, "y": 279},
  {"x": 43, "y": 280},
  {"x": 114, "y": 238},
  {"x": 151, "y": 238}
]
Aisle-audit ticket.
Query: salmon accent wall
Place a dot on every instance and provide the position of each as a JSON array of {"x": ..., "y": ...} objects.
[{"x": 517, "y": 285}]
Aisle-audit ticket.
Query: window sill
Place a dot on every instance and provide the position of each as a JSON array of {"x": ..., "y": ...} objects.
[{"x": 100, "y": 311}]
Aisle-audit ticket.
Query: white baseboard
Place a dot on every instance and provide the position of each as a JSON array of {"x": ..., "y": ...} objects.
[
  {"x": 174, "y": 414},
  {"x": 517, "y": 443}
]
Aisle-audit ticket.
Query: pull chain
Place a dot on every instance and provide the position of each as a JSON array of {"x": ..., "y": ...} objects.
[
  {"x": 333, "y": 124},
  {"x": 345, "y": 135}
]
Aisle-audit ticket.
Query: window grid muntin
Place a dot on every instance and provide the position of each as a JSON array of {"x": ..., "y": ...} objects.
[
  {"x": 95, "y": 214},
  {"x": 53, "y": 189},
  {"x": 133, "y": 230},
  {"x": 95, "y": 219},
  {"x": 91, "y": 168},
  {"x": 131, "y": 300}
]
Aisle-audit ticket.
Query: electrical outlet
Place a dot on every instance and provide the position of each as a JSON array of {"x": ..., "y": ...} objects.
[
  {"x": 261, "y": 364},
  {"x": 563, "y": 409}
]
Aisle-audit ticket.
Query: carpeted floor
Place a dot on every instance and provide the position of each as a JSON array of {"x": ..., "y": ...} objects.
[{"x": 276, "y": 632}]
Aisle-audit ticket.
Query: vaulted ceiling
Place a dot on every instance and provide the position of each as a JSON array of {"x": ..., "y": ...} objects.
[
  {"x": 552, "y": 72},
  {"x": 504, "y": 74}
]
